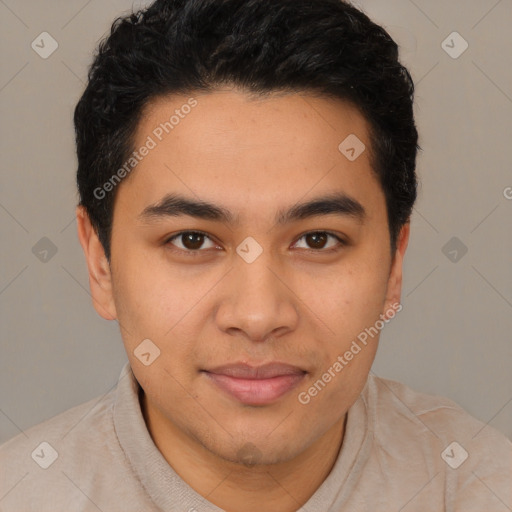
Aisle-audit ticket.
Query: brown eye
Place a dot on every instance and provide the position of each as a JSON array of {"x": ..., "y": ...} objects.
[
  {"x": 190, "y": 240},
  {"x": 318, "y": 240}
]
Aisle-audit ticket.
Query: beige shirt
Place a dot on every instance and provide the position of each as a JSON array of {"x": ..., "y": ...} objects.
[{"x": 402, "y": 451}]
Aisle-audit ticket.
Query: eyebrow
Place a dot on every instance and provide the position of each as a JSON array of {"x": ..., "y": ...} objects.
[{"x": 174, "y": 205}]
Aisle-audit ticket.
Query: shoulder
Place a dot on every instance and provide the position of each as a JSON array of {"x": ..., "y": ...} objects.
[
  {"x": 435, "y": 433},
  {"x": 392, "y": 400},
  {"x": 59, "y": 427},
  {"x": 41, "y": 466},
  {"x": 64, "y": 428}
]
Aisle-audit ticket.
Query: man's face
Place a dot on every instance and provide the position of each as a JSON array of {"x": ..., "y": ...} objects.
[{"x": 211, "y": 300}]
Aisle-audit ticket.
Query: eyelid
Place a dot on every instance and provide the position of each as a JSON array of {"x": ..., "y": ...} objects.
[
  {"x": 168, "y": 240},
  {"x": 340, "y": 239}
]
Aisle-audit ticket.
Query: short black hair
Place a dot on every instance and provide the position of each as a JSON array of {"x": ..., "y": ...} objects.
[{"x": 324, "y": 47}]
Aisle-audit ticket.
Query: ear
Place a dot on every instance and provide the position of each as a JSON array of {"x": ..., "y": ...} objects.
[
  {"x": 100, "y": 278},
  {"x": 394, "y": 288}
]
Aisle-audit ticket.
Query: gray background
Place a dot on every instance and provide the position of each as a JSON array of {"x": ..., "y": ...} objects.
[{"x": 452, "y": 337}]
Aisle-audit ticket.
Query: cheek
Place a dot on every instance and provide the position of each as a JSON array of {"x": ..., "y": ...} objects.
[
  {"x": 352, "y": 297},
  {"x": 151, "y": 294},
  {"x": 155, "y": 302},
  {"x": 147, "y": 306},
  {"x": 351, "y": 304}
]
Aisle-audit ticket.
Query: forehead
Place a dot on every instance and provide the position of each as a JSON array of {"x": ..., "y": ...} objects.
[
  {"x": 232, "y": 149},
  {"x": 244, "y": 115}
]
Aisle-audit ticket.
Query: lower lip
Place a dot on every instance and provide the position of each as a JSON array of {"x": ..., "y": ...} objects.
[{"x": 256, "y": 391}]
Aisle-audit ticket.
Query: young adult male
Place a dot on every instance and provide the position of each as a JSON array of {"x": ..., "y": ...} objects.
[{"x": 246, "y": 173}]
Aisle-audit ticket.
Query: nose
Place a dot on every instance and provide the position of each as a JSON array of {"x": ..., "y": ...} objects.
[{"x": 258, "y": 301}]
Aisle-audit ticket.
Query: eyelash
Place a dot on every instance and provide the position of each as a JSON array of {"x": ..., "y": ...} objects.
[{"x": 190, "y": 252}]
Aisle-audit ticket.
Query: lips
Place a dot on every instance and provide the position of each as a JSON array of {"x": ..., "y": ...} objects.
[{"x": 255, "y": 385}]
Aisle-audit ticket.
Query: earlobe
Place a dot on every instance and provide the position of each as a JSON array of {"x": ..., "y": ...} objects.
[
  {"x": 394, "y": 288},
  {"x": 100, "y": 277}
]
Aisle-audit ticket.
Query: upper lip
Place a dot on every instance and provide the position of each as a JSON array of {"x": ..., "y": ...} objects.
[{"x": 265, "y": 371}]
